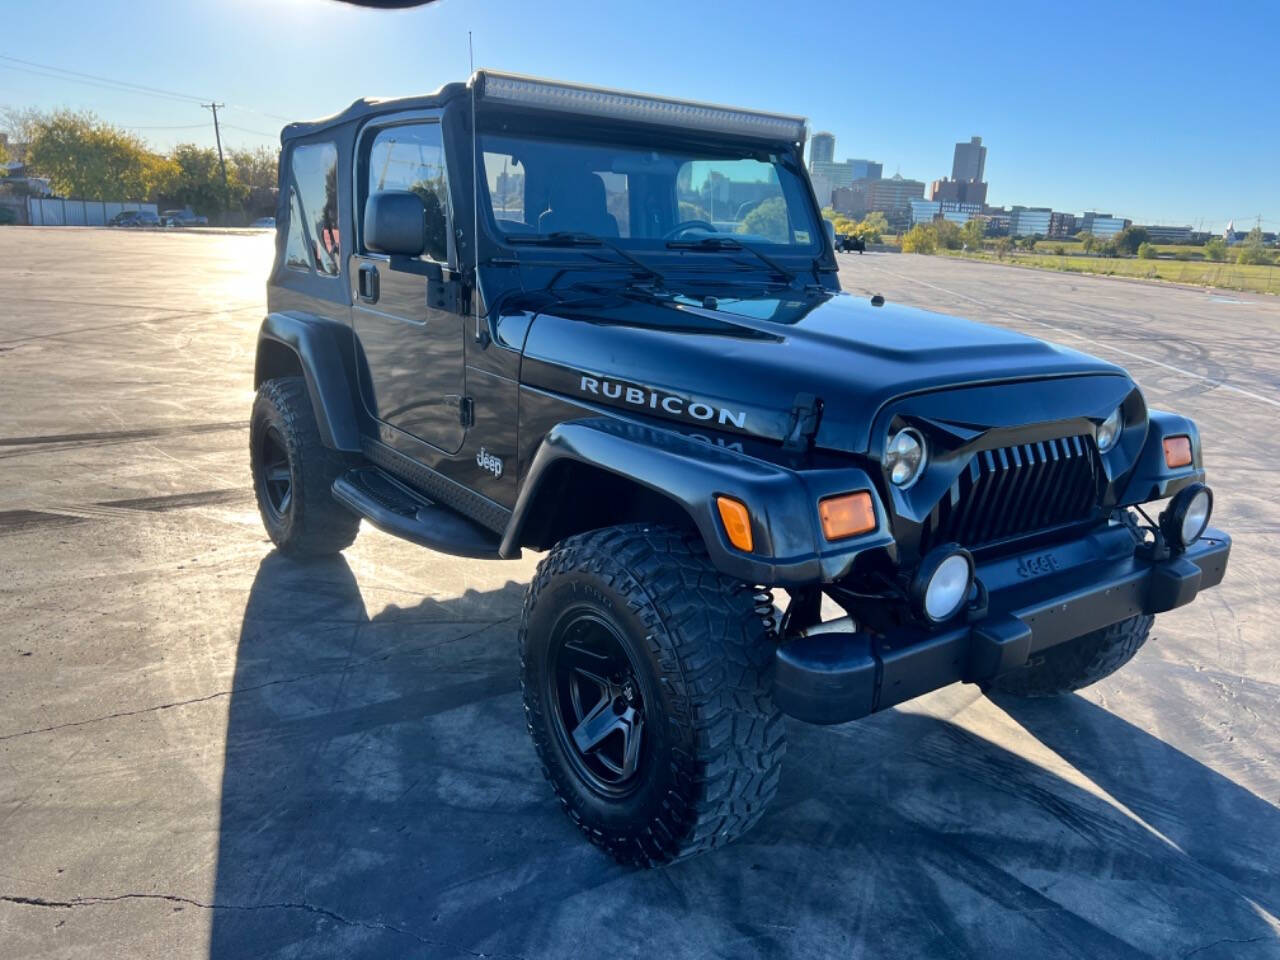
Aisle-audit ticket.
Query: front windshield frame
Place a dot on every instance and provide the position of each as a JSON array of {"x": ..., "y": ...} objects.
[{"x": 634, "y": 148}]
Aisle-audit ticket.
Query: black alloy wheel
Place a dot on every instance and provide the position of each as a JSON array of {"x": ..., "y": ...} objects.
[
  {"x": 293, "y": 473},
  {"x": 599, "y": 706},
  {"x": 275, "y": 476}
]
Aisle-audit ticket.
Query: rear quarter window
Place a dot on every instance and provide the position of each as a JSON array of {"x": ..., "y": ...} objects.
[{"x": 313, "y": 239}]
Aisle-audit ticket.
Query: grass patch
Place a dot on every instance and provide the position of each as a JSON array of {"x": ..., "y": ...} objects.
[{"x": 1201, "y": 273}]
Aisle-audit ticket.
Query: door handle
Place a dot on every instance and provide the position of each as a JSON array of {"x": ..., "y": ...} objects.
[{"x": 367, "y": 282}]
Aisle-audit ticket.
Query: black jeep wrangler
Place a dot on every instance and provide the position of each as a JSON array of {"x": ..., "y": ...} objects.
[{"x": 525, "y": 314}]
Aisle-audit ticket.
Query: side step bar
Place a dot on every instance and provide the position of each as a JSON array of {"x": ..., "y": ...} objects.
[{"x": 396, "y": 508}]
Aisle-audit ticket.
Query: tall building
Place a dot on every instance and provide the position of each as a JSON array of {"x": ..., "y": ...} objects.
[
  {"x": 828, "y": 176},
  {"x": 822, "y": 148},
  {"x": 891, "y": 196},
  {"x": 959, "y": 191},
  {"x": 866, "y": 169},
  {"x": 970, "y": 160}
]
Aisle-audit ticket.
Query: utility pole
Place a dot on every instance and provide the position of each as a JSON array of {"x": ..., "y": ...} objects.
[{"x": 217, "y": 136}]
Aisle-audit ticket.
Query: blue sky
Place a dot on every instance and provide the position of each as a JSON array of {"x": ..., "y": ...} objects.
[{"x": 1161, "y": 112}]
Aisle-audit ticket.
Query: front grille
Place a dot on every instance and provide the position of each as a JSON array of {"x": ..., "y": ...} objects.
[{"x": 1015, "y": 491}]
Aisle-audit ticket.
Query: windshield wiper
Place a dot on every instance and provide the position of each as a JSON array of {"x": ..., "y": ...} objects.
[
  {"x": 574, "y": 238},
  {"x": 712, "y": 244}
]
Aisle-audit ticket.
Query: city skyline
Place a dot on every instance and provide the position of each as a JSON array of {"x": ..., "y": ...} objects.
[{"x": 1072, "y": 126}]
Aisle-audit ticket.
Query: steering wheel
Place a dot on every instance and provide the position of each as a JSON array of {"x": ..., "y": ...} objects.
[{"x": 685, "y": 225}]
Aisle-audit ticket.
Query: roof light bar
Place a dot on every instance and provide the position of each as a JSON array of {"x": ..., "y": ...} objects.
[{"x": 620, "y": 105}]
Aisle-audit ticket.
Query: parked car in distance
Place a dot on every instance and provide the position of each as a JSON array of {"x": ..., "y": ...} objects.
[
  {"x": 134, "y": 218},
  {"x": 266, "y": 223},
  {"x": 848, "y": 243},
  {"x": 183, "y": 218}
]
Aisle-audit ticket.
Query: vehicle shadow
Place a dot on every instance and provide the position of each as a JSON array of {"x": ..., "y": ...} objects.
[{"x": 380, "y": 798}]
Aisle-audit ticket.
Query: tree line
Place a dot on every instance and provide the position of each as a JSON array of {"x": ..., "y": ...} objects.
[
  {"x": 87, "y": 158},
  {"x": 1131, "y": 241}
]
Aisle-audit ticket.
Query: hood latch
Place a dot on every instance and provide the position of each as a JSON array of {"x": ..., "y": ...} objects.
[{"x": 806, "y": 414}]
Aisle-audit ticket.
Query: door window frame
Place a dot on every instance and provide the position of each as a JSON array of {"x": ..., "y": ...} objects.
[{"x": 360, "y": 179}]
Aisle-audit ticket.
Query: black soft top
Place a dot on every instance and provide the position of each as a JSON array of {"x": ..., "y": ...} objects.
[{"x": 372, "y": 106}]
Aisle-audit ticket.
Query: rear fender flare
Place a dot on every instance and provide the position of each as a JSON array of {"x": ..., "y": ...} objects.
[{"x": 323, "y": 351}]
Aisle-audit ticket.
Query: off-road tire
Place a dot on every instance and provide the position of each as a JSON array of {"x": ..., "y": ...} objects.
[
  {"x": 703, "y": 655},
  {"x": 1079, "y": 662},
  {"x": 314, "y": 524}
]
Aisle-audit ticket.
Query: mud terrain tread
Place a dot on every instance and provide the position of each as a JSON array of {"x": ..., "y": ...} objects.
[
  {"x": 716, "y": 668},
  {"x": 318, "y": 525},
  {"x": 1080, "y": 662}
]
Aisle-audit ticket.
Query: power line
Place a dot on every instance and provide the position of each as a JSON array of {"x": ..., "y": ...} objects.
[
  {"x": 123, "y": 86},
  {"x": 95, "y": 80},
  {"x": 260, "y": 133},
  {"x": 171, "y": 126}
]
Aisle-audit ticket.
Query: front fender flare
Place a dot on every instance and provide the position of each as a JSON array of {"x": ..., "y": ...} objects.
[
  {"x": 325, "y": 353},
  {"x": 789, "y": 547},
  {"x": 1151, "y": 478}
]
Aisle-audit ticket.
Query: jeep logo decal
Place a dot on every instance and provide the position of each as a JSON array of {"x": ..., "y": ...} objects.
[
  {"x": 487, "y": 461},
  {"x": 667, "y": 402}
]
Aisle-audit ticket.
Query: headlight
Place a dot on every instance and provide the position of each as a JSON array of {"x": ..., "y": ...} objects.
[
  {"x": 941, "y": 585},
  {"x": 1109, "y": 431},
  {"x": 905, "y": 456},
  {"x": 1187, "y": 516}
]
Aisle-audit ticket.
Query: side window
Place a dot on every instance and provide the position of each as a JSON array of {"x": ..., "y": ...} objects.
[
  {"x": 411, "y": 157},
  {"x": 296, "y": 254},
  {"x": 313, "y": 209}
]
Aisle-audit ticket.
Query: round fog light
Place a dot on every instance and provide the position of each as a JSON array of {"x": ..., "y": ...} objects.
[
  {"x": 942, "y": 584},
  {"x": 1187, "y": 515}
]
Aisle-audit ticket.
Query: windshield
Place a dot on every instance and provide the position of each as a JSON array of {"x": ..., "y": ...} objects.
[{"x": 644, "y": 197}]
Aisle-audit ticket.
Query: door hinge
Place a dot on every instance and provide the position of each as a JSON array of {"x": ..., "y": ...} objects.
[{"x": 466, "y": 412}]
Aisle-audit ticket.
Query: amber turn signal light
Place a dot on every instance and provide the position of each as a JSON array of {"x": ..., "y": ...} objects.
[
  {"x": 1177, "y": 451},
  {"x": 847, "y": 515},
  {"x": 737, "y": 522}
]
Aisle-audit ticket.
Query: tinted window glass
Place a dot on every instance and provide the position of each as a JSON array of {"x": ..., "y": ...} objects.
[
  {"x": 736, "y": 196},
  {"x": 411, "y": 157},
  {"x": 296, "y": 254},
  {"x": 315, "y": 196},
  {"x": 645, "y": 197}
]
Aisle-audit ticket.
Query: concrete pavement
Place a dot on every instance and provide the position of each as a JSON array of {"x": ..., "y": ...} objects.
[{"x": 208, "y": 750}]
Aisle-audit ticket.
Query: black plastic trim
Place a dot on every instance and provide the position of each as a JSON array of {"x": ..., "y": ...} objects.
[
  {"x": 396, "y": 509},
  {"x": 436, "y": 485},
  {"x": 321, "y": 347},
  {"x": 823, "y": 678},
  {"x": 789, "y": 547}
]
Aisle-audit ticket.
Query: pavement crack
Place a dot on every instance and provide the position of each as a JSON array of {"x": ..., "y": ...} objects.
[
  {"x": 161, "y": 706},
  {"x": 235, "y": 691},
  {"x": 375, "y": 925},
  {"x": 1192, "y": 953}
]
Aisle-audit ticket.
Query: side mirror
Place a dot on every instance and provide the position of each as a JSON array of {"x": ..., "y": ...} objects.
[{"x": 401, "y": 223}]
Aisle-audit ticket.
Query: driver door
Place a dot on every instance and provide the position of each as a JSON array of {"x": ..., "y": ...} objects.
[{"x": 413, "y": 351}]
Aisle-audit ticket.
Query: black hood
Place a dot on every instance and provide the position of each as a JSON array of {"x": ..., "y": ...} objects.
[{"x": 739, "y": 364}]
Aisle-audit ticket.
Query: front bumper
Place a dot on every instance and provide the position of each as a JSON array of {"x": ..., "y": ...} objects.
[{"x": 1035, "y": 601}]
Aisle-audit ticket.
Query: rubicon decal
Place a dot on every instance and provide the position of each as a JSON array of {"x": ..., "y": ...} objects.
[{"x": 657, "y": 400}]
